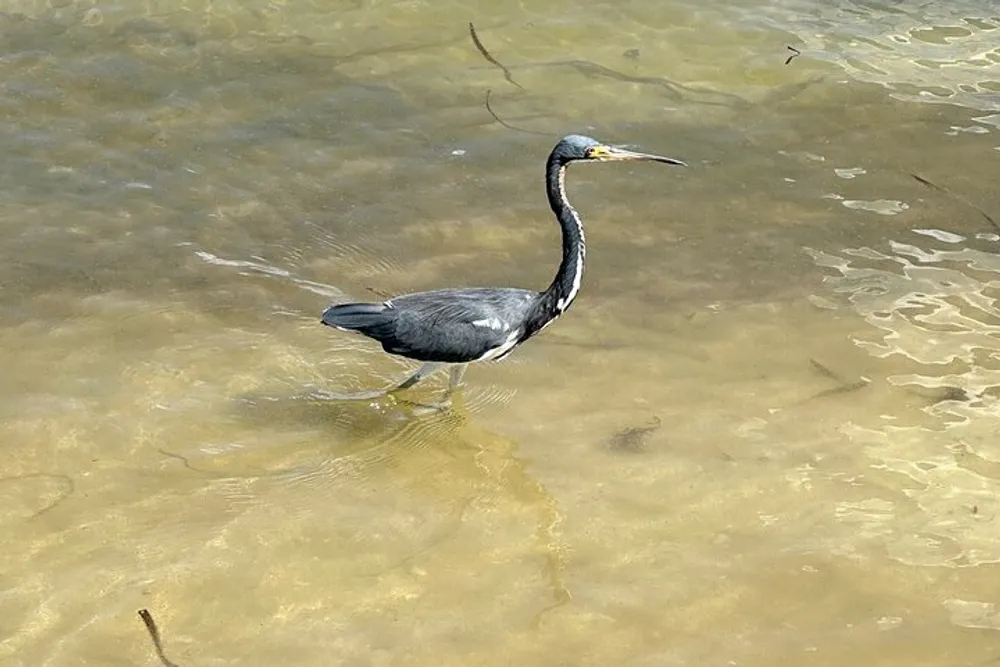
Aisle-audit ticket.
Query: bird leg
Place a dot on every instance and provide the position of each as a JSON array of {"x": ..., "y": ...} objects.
[
  {"x": 422, "y": 372},
  {"x": 454, "y": 382},
  {"x": 455, "y": 378}
]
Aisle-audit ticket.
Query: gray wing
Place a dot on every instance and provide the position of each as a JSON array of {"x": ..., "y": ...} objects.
[{"x": 457, "y": 325}]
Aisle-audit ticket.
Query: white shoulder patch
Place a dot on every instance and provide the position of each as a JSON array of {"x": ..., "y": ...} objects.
[
  {"x": 490, "y": 323},
  {"x": 503, "y": 349}
]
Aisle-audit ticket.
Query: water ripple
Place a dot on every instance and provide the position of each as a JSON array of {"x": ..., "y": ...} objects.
[
  {"x": 935, "y": 319},
  {"x": 924, "y": 51},
  {"x": 259, "y": 266}
]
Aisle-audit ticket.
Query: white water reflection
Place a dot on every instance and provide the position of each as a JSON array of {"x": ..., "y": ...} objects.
[
  {"x": 924, "y": 51},
  {"x": 973, "y": 614},
  {"x": 934, "y": 315}
]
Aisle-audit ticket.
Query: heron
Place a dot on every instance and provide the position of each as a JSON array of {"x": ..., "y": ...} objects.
[{"x": 454, "y": 327}]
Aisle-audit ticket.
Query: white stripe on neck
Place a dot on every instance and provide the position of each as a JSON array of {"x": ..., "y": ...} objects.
[{"x": 564, "y": 303}]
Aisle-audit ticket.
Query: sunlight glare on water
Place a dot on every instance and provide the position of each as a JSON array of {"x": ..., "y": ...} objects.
[{"x": 763, "y": 435}]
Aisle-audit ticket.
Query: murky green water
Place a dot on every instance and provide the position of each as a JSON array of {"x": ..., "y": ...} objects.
[{"x": 186, "y": 185}]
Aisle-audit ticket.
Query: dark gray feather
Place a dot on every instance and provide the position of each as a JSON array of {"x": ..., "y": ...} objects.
[{"x": 448, "y": 325}]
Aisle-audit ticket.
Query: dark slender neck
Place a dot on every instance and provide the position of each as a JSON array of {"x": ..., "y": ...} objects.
[{"x": 554, "y": 301}]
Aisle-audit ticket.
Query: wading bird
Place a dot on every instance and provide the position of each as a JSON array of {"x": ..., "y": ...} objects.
[{"x": 455, "y": 327}]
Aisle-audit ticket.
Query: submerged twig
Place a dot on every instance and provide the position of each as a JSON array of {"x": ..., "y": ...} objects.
[
  {"x": 220, "y": 474},
  {"x": 825, "y": 371},
  {"x": 845, "y": 386},
  {"x": 187, "y": 464},
  {"x": 69, "y": 488},
  {"x": 795, "y": 52},
  {"x": 678, "y": 92},
  {"x": 842, "y": 389},
  {"x": 489, "y": 58},
  {"x": 957, "y": 197},
  {"x": 377, "y": 292},
  {"x": 505, "y": 123},
  {"x": 154, "y": 634}
]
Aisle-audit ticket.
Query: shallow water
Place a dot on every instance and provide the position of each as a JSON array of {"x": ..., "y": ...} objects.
[{"x": 763, "y": 435}]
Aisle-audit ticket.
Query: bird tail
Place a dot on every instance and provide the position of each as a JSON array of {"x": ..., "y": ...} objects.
[{"x": 370, "y": 319}]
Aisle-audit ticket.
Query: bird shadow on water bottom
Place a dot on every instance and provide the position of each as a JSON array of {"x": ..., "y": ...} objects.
[
  {"x": 359, "y": 413},
  {"x": 441, "y": 455}
]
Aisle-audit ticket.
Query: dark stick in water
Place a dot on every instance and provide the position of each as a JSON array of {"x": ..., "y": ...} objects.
[
  {"x": 69, "y": 488},
  {"x": 844, "y": 387},
  {"x": 825, "y": 371},
  {"x": 377, "y": 292},
  {"x": 154, "y": 634},
  {"x": 957, "y": 197},
  {"x": 505, "y": 123},
  {"x": 489, "y": 58}
]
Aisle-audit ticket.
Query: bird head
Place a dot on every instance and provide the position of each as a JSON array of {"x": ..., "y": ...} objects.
[{"x": 576, "y": 147}]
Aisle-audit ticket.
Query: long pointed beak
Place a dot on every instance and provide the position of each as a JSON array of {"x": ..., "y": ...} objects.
[{"x": 614, "y": 153}]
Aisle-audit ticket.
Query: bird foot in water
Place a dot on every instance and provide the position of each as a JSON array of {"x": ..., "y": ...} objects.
[
  {"x": 420, "y": 407},
  {"x": 455, "y": 376},
  {"x": 392, "y": 395}
]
